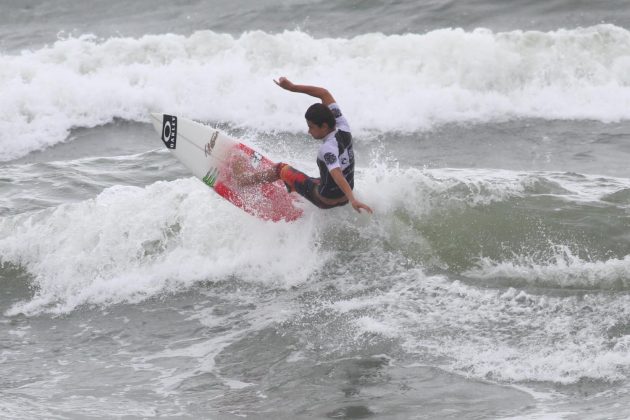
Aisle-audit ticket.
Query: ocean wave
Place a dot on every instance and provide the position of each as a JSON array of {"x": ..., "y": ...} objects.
[
  {"x": 387, "y": 83},
  {"x": 545, "y": 229},
  {"x": 132, "y": 243}
]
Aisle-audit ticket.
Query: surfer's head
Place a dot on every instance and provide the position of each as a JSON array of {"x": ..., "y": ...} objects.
[{"x": 320, "y": 120}]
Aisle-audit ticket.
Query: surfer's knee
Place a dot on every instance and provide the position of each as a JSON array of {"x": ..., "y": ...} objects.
[
  {"x": 278, "y": 169},
  {"x": 294, "y": 180},
  {"x": 288, "y": 174}
]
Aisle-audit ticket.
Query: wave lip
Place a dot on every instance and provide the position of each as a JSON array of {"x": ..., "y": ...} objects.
[{"x": 444, "y": 76}]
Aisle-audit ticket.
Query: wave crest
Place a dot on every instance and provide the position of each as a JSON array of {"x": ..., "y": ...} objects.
[{"x": 387, "y": 83}]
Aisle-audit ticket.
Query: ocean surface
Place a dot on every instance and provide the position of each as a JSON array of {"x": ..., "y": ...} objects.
[{"x": 492, "y": 281}]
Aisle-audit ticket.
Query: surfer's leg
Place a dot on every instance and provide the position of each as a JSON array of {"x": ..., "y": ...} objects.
[
  {"x": 294, "y": 180},
  {"x": 304, "y": 185},
  {"x": 244, "y": 176},
  {"x": 327, "y": 203}
]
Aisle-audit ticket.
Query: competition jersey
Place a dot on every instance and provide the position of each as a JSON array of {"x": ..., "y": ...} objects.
[{"x": 336, "y": 152}]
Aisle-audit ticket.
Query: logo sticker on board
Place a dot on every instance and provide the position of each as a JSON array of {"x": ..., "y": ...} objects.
[
  {"x": 169, "y": 131},
  {"x": 210, "y": 145},
  {"x": 211, "y": 177}
]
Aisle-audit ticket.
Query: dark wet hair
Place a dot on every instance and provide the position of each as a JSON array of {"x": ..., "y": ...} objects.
[{"x": 319, "y": 114}]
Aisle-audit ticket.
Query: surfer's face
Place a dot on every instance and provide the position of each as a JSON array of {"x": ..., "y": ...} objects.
[{"x": 316, "y": 131}]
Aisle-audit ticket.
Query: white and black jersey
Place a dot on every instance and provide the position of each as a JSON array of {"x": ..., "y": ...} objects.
[{"x": 336, "y": 152}]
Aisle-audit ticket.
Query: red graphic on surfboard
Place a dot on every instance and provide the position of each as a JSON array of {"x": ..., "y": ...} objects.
[{"x": 269, "y": 201}]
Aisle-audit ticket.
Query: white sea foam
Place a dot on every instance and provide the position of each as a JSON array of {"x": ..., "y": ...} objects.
[
  {"x": 130, "y": 243},
  {"x": 499, "y": 335},
  {"x": 387, "y": 82},
  {"x": 563, "y": 269}
]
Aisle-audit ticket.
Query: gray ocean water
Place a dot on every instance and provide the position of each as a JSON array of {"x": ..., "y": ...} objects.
[{"x": 491, "y": 282}]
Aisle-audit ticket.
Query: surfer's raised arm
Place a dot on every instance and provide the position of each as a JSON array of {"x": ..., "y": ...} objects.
[{"x": 316, "y": 91}]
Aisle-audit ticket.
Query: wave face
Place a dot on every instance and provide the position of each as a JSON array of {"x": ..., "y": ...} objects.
[{"x": 401, "y": 83}]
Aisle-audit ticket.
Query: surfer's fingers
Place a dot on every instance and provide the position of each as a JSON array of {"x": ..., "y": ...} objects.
[
  {"x": 358, "y": 206},
  {"x": 283, "y": 82},
  {"x": 364, "y": 207}
]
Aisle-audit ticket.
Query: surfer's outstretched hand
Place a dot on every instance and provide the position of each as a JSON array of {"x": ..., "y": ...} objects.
[
  {"x": 285, "y": 83},
  {"x": 316, "y": 91}
]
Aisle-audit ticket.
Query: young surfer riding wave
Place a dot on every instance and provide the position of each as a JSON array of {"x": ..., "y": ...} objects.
[{"x": 335, "y": 158}]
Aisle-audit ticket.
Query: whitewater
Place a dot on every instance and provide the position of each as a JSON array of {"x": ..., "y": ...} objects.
[{"x": 415, "y": 82}]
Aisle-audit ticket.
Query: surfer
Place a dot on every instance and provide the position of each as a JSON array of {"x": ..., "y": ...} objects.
[{"x": 335, "y": 158}]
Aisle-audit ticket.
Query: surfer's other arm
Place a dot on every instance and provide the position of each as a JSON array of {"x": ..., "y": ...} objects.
[{"x": 316, "y": 91}]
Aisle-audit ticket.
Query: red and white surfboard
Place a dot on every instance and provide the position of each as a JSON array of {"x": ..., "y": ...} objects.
[{"x": 213, "y": 157}]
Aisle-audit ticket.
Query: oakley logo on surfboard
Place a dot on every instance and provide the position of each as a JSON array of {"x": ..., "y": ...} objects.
[{"x": 169, "y": 131}]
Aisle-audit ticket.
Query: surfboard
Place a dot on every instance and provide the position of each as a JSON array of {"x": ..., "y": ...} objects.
[{"x": 218, "y": 160}]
